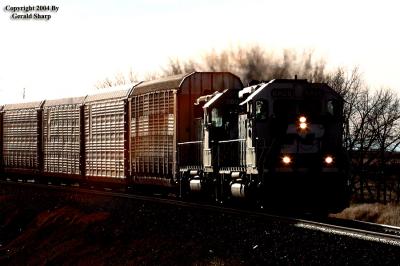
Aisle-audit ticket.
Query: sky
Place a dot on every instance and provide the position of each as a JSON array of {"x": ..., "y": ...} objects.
[{"x": 87, "y": 41}]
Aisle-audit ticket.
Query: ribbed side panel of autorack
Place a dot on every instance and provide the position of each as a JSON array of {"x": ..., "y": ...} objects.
[
  {"x": 152, "y": 135},
  {"x": 21, "y": 137},
  {"x": 61, "y": 136},
  {"x": 105, "y": 131}
]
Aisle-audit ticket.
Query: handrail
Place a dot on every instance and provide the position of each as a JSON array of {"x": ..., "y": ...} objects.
[
  {"x": 231, "y": 140},
  {"x": 190, "y": 142}
]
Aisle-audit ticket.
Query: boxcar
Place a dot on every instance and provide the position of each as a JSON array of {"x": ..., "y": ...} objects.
[
  {"x": 62, "y": 137},
  {"x": 22, "y": 138},
  {"x": 162, "y": 115},
  {"x": 106, "y": 134}
]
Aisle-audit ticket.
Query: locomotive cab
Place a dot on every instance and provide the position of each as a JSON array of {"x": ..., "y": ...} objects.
[{"x": 220, "y": 124}]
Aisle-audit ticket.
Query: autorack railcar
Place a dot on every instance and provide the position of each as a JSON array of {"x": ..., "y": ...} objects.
[
  {"x": 128, "y": 135},
  {"x": 106, "y": 133},
  {"x": 163, "y": 115},
  {"x": 22, "y": 138},
  {"x": 62, "y": 137}
]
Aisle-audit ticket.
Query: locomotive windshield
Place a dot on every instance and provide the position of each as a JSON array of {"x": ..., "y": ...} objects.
[{"x": 289, "y": 109}]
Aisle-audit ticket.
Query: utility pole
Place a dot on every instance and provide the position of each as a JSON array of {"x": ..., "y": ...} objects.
[{"x": 23, "y": 94}]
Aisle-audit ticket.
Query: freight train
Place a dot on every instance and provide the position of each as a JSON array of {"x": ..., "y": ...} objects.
[{"x": 204, "y": 133}]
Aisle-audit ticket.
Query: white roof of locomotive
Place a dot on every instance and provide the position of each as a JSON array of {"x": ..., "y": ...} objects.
[
  {"x": 257, "y": 91},
  {"x": 213, "y": 99}
]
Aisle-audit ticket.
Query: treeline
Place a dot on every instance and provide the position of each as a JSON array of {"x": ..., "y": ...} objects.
[
  {"x": 371, "y": 116},
  {"x": 371, "y": 136},
  {"x": 250, "y": 63}
]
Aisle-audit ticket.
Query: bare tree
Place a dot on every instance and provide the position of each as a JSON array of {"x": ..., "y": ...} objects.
[
  {"x": 256, "y": 63},
  {"x": 385, "y": 122},
  {"x": 218, "y": 61},
  {"x": 351, "y": 87},
  {"x": 175, "y": 67},
  {"x": 132, "y": 76},
  {"x": 371, "y": 131},
  {"x": 249, "y": 63},
  {"x": 151, "y": 75},
  {"x": 119, "y": 79}
]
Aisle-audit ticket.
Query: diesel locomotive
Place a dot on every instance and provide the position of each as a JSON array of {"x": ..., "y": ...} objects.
[
  {"x": 278, "y": 142},
  {"x": 202, "y": 133}
]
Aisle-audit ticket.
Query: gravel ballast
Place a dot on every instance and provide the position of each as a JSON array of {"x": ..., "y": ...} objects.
[{"x": 48, "y": 227}]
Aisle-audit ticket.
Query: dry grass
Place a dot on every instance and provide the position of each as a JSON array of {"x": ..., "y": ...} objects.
[{"x": 372, "y": 212}]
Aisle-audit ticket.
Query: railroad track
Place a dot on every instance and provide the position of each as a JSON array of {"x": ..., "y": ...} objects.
[
  {"x": 351, "y": 228},
  {"x": 357, "y": 229},
  {"x": 384, "y": 229}
]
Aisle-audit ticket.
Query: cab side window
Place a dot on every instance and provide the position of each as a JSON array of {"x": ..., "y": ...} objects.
[
  {"x": 261, "y": 110},
  {"x": 216, "y": 118},
  {"x": 331, "y": 107}
]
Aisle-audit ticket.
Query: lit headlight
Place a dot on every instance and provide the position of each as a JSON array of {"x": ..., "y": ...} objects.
[
  {"x": 303, "y": 123},
  {"x": 303, "y": 126},
  {"x": 328, "y": 159},
  {"x": 286, "y": 159}
]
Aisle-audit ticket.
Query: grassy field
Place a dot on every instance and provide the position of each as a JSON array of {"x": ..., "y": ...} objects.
[{"x": 372, "y": 212}]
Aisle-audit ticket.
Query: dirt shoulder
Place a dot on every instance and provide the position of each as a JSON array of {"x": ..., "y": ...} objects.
[{"x": 372, "y": 212}]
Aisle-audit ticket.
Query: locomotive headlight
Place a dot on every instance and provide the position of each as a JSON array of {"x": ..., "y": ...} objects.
[
  {"x": 328, "y": 160},
  {"x": 286, "y": 160},
  {"x": 303, "y": 126},
  {"x": 303, "y": 123}
]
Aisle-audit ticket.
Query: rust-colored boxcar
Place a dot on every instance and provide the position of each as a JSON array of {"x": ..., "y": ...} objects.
[
  {"x": 22, "y": 137},
  {"x": 162, "y": 115},
  {"x": 106, "y": 133},
  {"x": 62, "y": 137}
]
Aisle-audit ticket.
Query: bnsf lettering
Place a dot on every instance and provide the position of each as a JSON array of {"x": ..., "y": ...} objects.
[
  {"x": 287, "y": 92},
  {"x": 312, "y": 92}
]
